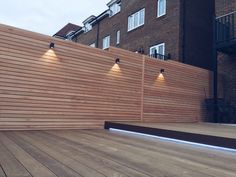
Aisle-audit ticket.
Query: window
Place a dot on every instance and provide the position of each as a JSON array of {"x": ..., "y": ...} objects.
[
  {"x": 135, "y": 20},
  {"x": 106, "y": 42},
  {"x": 161, "y": 8},
  {"x": 92, "y": 45},
  {"x": 117, "y": 37},
  {"x": 158, "y": 50},
  {"x": 115, "y": 8},
  {"x": 69, "y": 35},
  {"x": 87, "y": 27}
]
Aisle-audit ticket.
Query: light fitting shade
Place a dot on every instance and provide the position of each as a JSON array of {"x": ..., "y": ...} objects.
[
  {"x": 117, "y": 61},
  {"x": 51, "y": 45}
]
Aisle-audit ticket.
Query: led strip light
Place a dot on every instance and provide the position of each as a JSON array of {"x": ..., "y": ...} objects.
[{"x": 176, "y": 140}]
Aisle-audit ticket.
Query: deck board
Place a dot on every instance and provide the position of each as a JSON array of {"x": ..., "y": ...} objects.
[
  {"x": 107, "y": 153},
  {"x": 32, "y": 165},
  {"x": 61, "y": 154},
  {"x": 220, "y": 130},
  {"x": 44, "y": 158},
  {"x": 80, "y": 149},
  {"x": 2, "y": 174},
  {"x": 10, "y": 164}
]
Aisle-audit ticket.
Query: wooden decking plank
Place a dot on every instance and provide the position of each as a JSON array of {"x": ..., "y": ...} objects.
[
  {"x": 2, "y": 173},
  {"x": 82, "y": 169},
  {"x": 173, "y": 160},
  {"x": 204, "y": 156},
  {"x": 83, "y": 154},
  {"x": 55, "y": 166},
  {"x": 135, "y": 157},
  {"x": 33, "y": 166},
  {"x": 101, "y": 153},
  {"x": 219, "y": 130},
  {"x": 177, "y": 164},
  {"x": 11, "y": 166},
  {"x": 138, "y": 160}
]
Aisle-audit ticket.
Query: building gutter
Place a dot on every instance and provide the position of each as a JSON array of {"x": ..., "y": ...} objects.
[
  {"x": 59, "y": 36},
  {"x": 183, "y": 26},
  {"x": 94, "y": 22},
  {"x": 98, "y": 31},
  {"x": 216, "y": 117}
]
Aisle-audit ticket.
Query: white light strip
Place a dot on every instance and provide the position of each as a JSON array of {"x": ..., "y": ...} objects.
[{"x": 176, "y": 140}]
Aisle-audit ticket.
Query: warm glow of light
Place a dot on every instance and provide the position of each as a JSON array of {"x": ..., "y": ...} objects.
[
  {"x": 50, "y": 56},
  {"x": 115, "y": 71},
  {"x": 116, "y": 67},
  {"x": 161, "y": 77},
  {"x": 160, "y": 80}
]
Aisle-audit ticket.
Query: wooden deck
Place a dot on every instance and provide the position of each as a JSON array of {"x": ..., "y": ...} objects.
[
  {"x": 100, "y": 153},
  {"x": 220, "y": 130}
]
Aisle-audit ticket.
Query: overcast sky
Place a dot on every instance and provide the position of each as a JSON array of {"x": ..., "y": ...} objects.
[{"x": 48, "y": 16}]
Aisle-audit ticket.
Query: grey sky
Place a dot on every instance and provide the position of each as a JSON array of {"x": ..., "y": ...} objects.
[{"x": 48, "y": 16}]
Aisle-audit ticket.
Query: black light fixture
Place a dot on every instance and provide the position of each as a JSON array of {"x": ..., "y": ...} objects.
[
  {"x": 51, "y": 45},
  {"x": 162, "y": 71},
  {"x": 117, "y": 61}
]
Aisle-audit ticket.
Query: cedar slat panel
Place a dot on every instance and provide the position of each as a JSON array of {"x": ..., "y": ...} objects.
[{"x": 74, "y": 88}]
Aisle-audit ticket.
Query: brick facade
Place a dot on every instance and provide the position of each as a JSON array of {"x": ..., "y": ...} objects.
[
  {"x": 225, "y": 7},
  {"x": 183, "y": 30},
  {"x": 226, "y": 62}
]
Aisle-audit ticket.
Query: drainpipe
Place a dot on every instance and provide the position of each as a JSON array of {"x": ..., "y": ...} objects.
[
  {"x": 98, "y": 29},
  {"x": 215, "y": 70},
  {"x": 183, "y": 30}
]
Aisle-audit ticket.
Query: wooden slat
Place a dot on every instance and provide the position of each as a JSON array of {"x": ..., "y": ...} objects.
[
  {"x": 2, "y": 174},
  {"x": 74, "y": 86},
  {"x": 10, "y": 164},
  {"x": 79, "y": 158},
  {"x": 34, "y": 167},
  {"x": 99, "y": 153}
]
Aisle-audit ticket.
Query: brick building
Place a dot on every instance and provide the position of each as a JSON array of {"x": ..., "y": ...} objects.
[
  {"x": 226, "y": 10},
  {"x": 67, "y": 31},
  {"x": 224, "y": 7},
  {"x": 176, "y": 29},
  {"x": 225, "y": 45},
  {"x": 180, "y": 29}
]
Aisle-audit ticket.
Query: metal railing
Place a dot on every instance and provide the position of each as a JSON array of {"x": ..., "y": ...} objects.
[
  {"x": 225, "y": 27},
  {"x": 160, "y": 56}
]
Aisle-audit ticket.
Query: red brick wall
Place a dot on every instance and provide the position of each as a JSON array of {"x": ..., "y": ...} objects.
[
  {"x": 226, "y": 63},
  {"x": 183, "y": 30},
  {"x": 156, "y": 30},
  {"x": 227, "y": 76},
  {"x": 87, "y": 38},
  {"x": 225, "y": 6}
]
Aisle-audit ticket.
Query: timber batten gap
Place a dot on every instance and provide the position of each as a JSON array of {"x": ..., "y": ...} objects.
[{"x": 73, "y": 86}]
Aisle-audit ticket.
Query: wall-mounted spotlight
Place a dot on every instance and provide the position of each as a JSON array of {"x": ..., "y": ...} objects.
[
  {"x": 162, "y": 71},
  {"x": 117, "y": 61},
  {"x": 51, "y": 45}
]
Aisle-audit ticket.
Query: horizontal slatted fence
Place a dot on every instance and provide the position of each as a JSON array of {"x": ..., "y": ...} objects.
[
  {"x": 76, "y": 86},
  {"x": 178, "y": 95}
]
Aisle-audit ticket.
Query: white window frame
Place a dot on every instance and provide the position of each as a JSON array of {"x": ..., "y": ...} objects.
[
  {"x": 118, "y": 37},
  {"x": 93, "y": 45},
  {"x": 87, "y": 27},
  {"x": 106, "y": 42},
  {"x": 115, "y": 8},
  {"x": 157, "y": 48},
  {"x": 135, "y": 20},
  {"x": 163, "y": 11}
]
